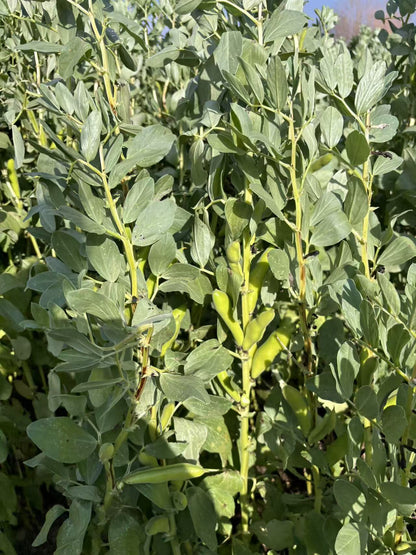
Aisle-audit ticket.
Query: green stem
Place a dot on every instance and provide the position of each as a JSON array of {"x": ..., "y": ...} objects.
[
  {"x": 245, "y": 439},
  {"x": 367, "y": 182},
  {"x": 299, "y": 247},
  {"x": 28, "y": 375},
  {"x": 317, "y": 489},
  {"x": 241, "y": 10},
  {"x": 174, "y": 543}
]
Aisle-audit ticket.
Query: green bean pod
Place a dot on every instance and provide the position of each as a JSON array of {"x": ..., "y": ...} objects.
[
  {"x": 234, "y": 257},
  {"x": 222, "y": 305},
  {"x": 323, "y": 427},
  {"x": 256, "y": 328},
  {"x": 178, "y": 315},
  {"x": 268, "y": 351},
  {"x": 298, "y": 404},
  {"x": 256, "y": 279},
  {"x": 161, "y": 474},
  {"x": 158, "y": 524}
]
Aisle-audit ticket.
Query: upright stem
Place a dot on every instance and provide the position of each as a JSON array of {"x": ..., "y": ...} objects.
[
  {"x": 128, "y": 247},
  {"x": 246, "y": 381},
  {"x": 367, "y": 182},
  {"x": 299, "y": 247}
]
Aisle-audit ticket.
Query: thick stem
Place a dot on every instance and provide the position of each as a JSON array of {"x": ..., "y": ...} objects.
[
  {"x": 299, "y": 248},
  {"x": 128, "y": 247},
  {"x": 367, "y": 182},
  {"x": 245, "y": 439}
]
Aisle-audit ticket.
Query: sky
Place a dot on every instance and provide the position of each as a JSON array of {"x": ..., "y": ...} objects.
[{"x": 313, "y": 4}]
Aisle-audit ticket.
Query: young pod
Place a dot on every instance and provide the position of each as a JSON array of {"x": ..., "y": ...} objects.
[
  {"x": 222, "y": 305},
  {"x": 298, "y": 404},
  {"x": 256, "y": 328},
  {"x": 234, "y": 256},
  {"x": 234, "y": 252},
  {"x": 178, "y": 315},
  {"x": 179, "y": 500},
  {"x": 256, "y": 279},
  {"x": 268, "y": 351},
  {"x": 167, "y": 413},
  {"x": 158, "y": 524},
  {"x": 12, "y": 175},
  {"x": 323, "y": 427},
  {"x": 161, "y": 474}
]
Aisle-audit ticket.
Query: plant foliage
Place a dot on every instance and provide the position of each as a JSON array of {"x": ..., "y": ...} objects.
[{"x": 208, "y": 295}]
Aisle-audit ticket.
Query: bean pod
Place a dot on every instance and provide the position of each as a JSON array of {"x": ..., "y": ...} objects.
[
  {"x": 256, "y": 328},
  {"x": 298, "y": 404},
  {"x": 256, "y": 279},
  {"x": 162, "y": 474},
  {"x": 222, "y": 305},
  {"x": 268, "y": 351}
]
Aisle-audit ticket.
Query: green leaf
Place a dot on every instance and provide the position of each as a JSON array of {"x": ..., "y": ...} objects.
[
  {"x": 275, "y": 534},
  {"x": 3, "y": 447},
  {"x": 80, "y": 220},
  {"x": 68, "y": 250},
  {"x": 356, "y": 203},
  {"x": 236, "y": 86},
  {"x": 373, "y": 86},
  {"x": 150, "y": 145},
  {"x": 218, "y": 438},
  {"x": 279, "y": 264},
  {"x": 394, "y": 423},
  {"x": 331, "y": 230},
  {"x": 351, "y": 500},
  {"x": 399, "y": 251},
  {"x": 348, "y": 366},
  {"x": 192, "y": 433},
  {"x": 344, "y": 73},
  {"x": 253, "y": 80},
  {"x": 388, "y": 164},
  {"x": 332, "y": 125},
  {"x": 96, "y": 304},
  {"x": 55, "y": 512},
  {"x": 90, "y": 135},
  {"x": 203, "y": 516},
  {"x": 71, "y": 54},
  {"x": 180, "y": 388},
  {"x": 348, "y": 540},
  {"x": 155, "y": 220},
  {"x": 207, "y": 360},
  {"x": 186, "y": 6},
  {"x": 277, "y": 83},
  {"x": 217, "y": 406},
  {"x": 65, "y": 98},
  {"x": 401, "y": 498},
  {"x": 19, "y": 147},
  {"x": 70, "y": 537},
  {"x": 390, "y": 295},
  {"x": 283, "y": 23},
  {"x": 203, "y": 242},
  {"x": 161, "y": 254},
  {"x": 237, "y": 214},
  {"x": 138, "y": 197},
  {"x": 42, "y": 47},
  {"x": 357, "y": 147},
  {"x": 366, "y": 402},
  {"x": 125, "y": 535},
  {"x": 105, "y": 257},
  {"x": 61, "y": 439},
  {"x": 227, "y": 52}
]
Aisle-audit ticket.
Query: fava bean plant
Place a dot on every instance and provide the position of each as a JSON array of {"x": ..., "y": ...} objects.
[{"x": 207, "y": 296}]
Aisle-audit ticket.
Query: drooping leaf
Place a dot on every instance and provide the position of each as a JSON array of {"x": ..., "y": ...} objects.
[{"x": 61, "y": 439}]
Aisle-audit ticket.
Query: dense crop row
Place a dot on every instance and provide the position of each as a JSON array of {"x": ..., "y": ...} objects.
[{"x": 207, "y": 296}]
